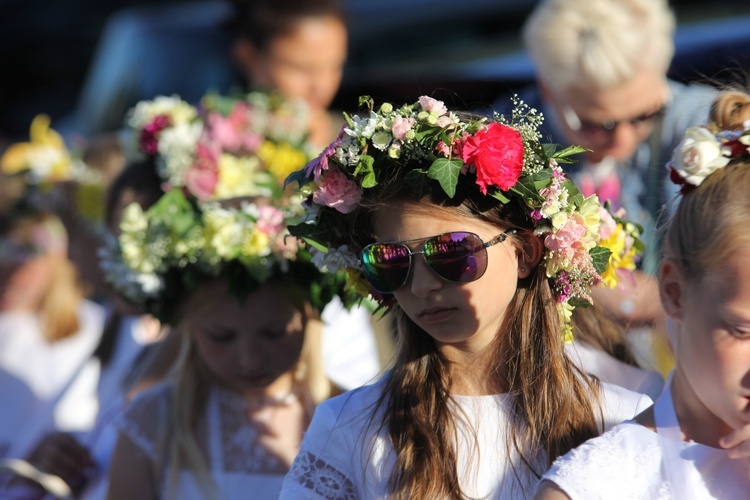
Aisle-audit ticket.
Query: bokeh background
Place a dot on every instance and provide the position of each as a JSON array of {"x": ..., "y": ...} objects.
[{"x": 84, "y": 61}]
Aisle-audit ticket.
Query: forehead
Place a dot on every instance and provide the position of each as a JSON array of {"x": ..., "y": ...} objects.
[
  {"x": 643, "y": 93},
  {"x": 311, "y": 35},
  {"x": 405, "y": 220}
]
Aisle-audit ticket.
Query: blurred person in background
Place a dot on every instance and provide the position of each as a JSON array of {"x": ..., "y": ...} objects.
[{"x": 602, "y": 83}]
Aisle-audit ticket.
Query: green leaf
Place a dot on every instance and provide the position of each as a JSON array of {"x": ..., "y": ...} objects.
[
  {"x": 499, "y": 195},
  {"x": 446, "y": 172},
  {"x": 526, "y": 189},
  {"x": 600, "y": 258},
  {"x": 298, "y": 176},
  {"x": 366, "y": 170},
  {"x": 563, "y": 155},
  {"x": 549, "y": 149}
]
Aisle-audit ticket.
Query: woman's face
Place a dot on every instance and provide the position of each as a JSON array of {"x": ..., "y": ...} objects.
[
  {"x": 250, "y": 345},
  {"x": 712, "y": 347},
  {"x": 24, "y": 285},
  {"x": 461, "y": 316},
  {"x": 306, "y": 63}
]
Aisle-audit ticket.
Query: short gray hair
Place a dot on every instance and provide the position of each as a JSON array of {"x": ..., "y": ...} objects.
[{"x": 598, "y": 43}]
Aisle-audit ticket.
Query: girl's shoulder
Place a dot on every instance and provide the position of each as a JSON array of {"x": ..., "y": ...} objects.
[
  {"x": 626, "y": 459},
  {"x": 354, "y": 405},
  {"x": 619, "y": 404},
  {"x": 145, "y": 419}
]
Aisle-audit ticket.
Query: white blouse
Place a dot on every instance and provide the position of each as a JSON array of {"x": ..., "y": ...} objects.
[
  {"x": 229, "y": 434},
  {"x": 345, "y": 455}
]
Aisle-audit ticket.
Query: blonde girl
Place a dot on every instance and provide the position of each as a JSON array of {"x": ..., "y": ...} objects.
[{"x": 694, "y": 443}]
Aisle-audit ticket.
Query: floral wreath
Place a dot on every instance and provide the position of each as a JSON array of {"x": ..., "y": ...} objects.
[
  {"x": 505, "y": 160},
  {"x": 45, "y": 161},
  {"x": 703, "y": 151},
  {"x": 243, "y": 145},
  {"x": 217, "y": 161}
]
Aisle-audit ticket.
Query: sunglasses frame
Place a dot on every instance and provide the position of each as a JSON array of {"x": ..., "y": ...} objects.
[{"x": 404, "y": 243}]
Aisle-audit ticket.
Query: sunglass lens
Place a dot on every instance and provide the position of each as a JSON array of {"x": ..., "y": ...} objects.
[
  {"x": 459, "y": 257},
  {"x": 386, "y": 266}
]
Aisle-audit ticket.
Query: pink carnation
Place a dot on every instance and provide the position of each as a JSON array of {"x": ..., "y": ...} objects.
[
  {"x": 401, "y": 126},
  {"x": 232, "y": 132},
  {"x": 337, "y": 191},
  {"x": 432, "y": 105},
  {"x": 201, "y": 179},
  {"x": 497, "y": 153}
]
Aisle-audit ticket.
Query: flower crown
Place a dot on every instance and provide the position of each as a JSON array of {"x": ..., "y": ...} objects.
[
  {"x": 704, "y": 150},
  {"x": 502, "y": 157},
  {"x": 217, "y": 160},
  {"x": 45, "y": 161},
  {"x": 228, "y": 147}
]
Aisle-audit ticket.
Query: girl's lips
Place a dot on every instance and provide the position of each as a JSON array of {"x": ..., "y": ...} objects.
[{"x": 436, "y": 314}]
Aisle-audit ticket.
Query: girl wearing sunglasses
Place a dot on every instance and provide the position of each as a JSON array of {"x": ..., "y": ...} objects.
[{"x": 466, "y": 231}]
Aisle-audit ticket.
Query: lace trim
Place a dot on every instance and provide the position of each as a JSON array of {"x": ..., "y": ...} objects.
[{"x": 317, "y": 475}]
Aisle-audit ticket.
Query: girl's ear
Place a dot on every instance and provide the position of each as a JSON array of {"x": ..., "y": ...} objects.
[
  {"x": 531, "y": 252},
  {"x": 671, "y": 288}
]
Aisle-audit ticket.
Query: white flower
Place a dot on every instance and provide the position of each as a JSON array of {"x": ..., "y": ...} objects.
[
  {"x": 177, "y": 147},
  {"x": 179, "y": 111},
  {"x": 334, "y": 259},
  {"x": 698, "y": 156}
]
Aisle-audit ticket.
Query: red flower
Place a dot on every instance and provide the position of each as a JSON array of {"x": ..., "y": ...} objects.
[
  {"x": 497, "y": 153},
  {"x": 149, "y": 140}
]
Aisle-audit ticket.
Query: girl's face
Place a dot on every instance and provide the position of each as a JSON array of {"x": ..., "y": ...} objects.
[
  {"x": 712, "y": 346},
  {"x": 464, "y": 316},
  {"x": 305, "y": 64},
  {"x": 24, "y": 287},
  {"x": 248, "y": 346}
]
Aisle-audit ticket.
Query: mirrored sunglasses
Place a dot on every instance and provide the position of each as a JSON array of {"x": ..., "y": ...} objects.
[{"x": 458, "y": 257}]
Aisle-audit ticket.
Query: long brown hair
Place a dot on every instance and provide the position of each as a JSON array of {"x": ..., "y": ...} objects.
[{"x": 553, "y": 403}]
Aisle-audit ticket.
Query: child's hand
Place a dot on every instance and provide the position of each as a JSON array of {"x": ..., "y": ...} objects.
[
  {"x": 61, "y": 455},
  {"x": 737, "y": 443}
]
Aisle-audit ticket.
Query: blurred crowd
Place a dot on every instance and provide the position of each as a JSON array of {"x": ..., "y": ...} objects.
[{"x": 161, "y": 336}]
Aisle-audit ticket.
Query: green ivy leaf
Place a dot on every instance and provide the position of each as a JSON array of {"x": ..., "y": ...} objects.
[
  {"x": 446, "y": 172},
  {"x": 499, "y": 195},
  {"x": 600, "y": 258}
]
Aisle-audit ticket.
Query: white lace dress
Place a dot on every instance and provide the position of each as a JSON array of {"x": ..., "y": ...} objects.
[
  {"x": 229, "y": 433},
  {"x": 345, "y": 456},
  {"x": 634, "y": 462}
]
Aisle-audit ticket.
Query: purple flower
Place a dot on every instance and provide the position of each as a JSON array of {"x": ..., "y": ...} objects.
[
  {"x": 320, "y": 162},
  {"x": 148, "y": 140}
]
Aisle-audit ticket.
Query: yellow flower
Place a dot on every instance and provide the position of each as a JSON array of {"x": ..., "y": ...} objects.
[
  {"x": 281, "y": 159},
  {"x": 356, "y": 282},
  {"x": 565, "y": 311},
  {"x": 45, "y": 154},
  {"x": 258, "y": 243},
  {"x": 620, "y": 258},
  {"x": 236, "y": 176}
]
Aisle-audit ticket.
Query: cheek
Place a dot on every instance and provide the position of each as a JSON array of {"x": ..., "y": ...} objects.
[{"x": 287, "y": 351}]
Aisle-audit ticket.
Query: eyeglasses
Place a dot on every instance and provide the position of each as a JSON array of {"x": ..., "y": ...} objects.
[
  {"x": 600, "y": 131},
  {"x": 459, "y": 257}
]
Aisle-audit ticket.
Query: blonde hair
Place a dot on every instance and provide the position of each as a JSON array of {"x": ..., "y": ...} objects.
[
  {"x": 59, "y": 302},
  {"x": 598, "y": 43},
  {"x": 710, "y": 222},
  {"x": 192, "y": 382}
]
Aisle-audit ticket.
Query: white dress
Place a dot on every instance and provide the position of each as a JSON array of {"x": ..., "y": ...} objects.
[
  {"x": 226, "y": 434},
  {"x": 46, "y": 386},
  {"x": 634, "y": 462},
  {"x": 613, "y": 371},
  {"x": 344, "y": 457}
]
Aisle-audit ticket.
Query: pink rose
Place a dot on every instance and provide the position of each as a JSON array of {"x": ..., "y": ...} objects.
[
  {"x": 201, "y": 179},
  {"x": 337, "y": 191},
  {"x": 496, "y": 152},
  {"x": 401, "y": 126},
  {"x": 432, "y": 105}
]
